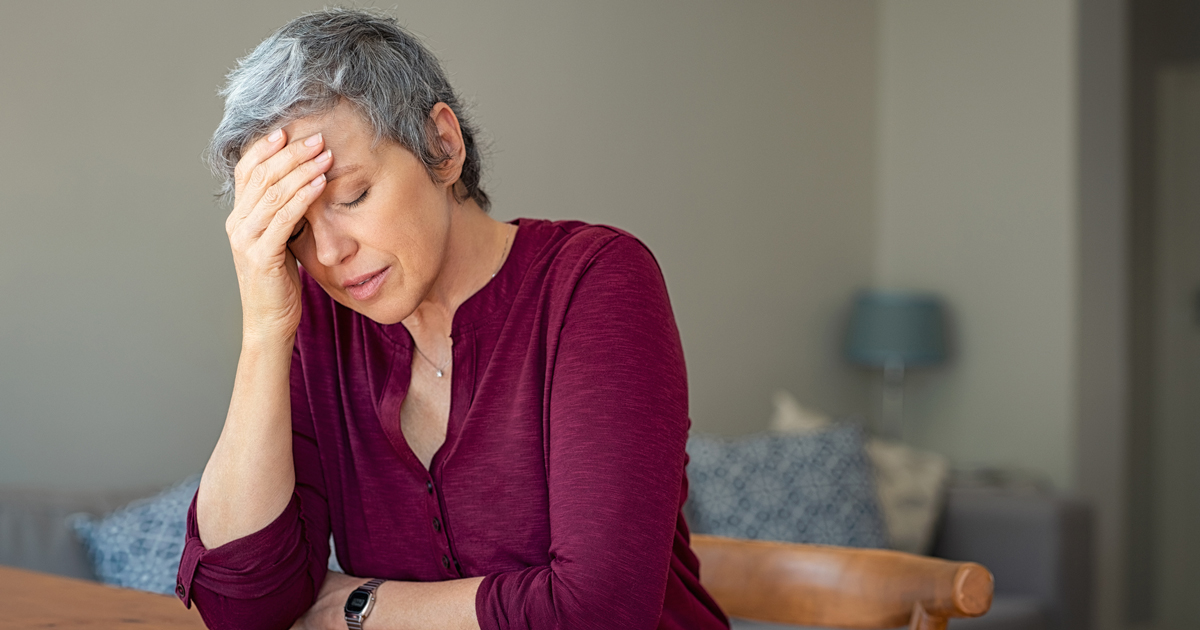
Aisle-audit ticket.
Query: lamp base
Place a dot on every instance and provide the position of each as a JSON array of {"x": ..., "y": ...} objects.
[{"x": 891, "y": 424}]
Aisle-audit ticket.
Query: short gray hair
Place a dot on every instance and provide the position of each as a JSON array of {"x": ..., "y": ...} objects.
[{"x": 320, "y": 59}]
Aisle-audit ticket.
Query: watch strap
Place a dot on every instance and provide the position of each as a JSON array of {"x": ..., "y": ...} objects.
[{"x": 355, "y": 621}]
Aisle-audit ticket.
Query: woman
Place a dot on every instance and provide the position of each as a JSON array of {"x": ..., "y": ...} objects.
[{"x": 489, "y": 418}]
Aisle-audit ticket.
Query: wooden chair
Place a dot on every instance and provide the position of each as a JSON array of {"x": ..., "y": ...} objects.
[{"x": 839, "y": 587}]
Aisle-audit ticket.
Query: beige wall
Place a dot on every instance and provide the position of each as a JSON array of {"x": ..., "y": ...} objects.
[
  {"x": 1002, "y": 185},
  {"x": 737, "y": 140},
  {"x": 977, "y": 201}
]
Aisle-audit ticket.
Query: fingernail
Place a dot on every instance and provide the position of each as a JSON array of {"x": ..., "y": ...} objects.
[
  {"x": 275, "y": 135},
  {"x": 313, "y": 141},
  {"x": 324, "y": 157},
  {"x": 316, "y": 183}
]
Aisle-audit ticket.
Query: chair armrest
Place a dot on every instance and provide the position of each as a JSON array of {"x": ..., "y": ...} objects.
[
  {"x": 1036, "y": 545},
  {"x": 819, "y": 585}
]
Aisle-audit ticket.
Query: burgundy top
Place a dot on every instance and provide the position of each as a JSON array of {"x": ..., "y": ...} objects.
[{"x": 561, "y": 478}]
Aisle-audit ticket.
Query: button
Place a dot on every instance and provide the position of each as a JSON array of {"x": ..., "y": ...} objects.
[
  {"x": 429, "y": 486},
  {"x": 445, "y": 561},
  {"x": 179, "y": 589},
  {"x": 437, "y": 525}
]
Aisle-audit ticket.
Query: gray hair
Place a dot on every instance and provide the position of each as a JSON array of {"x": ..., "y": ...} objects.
[{"x": 320, "y": 59}]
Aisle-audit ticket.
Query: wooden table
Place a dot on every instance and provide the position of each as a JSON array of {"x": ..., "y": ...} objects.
[{"x": 38, "y": 600}]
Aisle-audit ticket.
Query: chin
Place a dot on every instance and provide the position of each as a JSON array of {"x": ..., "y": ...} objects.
[
  {"x": 385, "y": 312},
  {"x": 387, "y": 319},
  {"x": 391, "y": 305},
  {"x": 378, "y": 311}
]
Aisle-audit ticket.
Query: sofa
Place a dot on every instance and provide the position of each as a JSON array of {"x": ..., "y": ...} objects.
[
  {"x": 1036, "y": 544},
  {"x": 1039, "y": 549}
]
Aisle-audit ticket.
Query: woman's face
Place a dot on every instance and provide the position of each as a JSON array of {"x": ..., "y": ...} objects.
[{"x": 376, "y": 238}]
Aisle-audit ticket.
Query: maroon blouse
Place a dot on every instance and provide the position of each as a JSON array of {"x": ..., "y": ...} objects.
[{"x": 561, "y": 478}]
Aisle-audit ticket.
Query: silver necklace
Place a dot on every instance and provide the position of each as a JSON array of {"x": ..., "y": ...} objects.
[{"x": 441, "y": 371}]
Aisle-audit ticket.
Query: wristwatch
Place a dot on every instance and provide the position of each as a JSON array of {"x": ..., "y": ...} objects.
[{"x": 359, "y": 604}]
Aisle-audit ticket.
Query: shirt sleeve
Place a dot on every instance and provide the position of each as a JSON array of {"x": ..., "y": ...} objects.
[
  {"x": 270, "y": 577},
  {"x": 617, "y": 428}
]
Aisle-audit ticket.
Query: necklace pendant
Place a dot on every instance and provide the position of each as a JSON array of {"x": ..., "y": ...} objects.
[{"x": 439, "y": 374}]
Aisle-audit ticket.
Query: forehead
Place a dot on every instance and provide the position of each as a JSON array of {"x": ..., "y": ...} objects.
[{"x": 346, "y": 132}]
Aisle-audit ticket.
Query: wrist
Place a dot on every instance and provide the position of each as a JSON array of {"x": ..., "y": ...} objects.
[
  {"x": 360, "y": 603},
  {"x": 258, "y": 344}
]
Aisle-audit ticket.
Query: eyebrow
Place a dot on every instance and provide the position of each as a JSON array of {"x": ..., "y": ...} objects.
[{"x": 338, "y": 171}]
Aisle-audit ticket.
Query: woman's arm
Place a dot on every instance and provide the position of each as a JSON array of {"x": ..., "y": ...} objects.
[
  {"x": 257, "y": 539},
  {"x": 250, "y": 477},
  {"x": 268, "y": 578},
  {"x": 616, "y": 429}
]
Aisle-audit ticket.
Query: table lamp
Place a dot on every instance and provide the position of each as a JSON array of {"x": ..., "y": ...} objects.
[{"x": 896, "y": 330}]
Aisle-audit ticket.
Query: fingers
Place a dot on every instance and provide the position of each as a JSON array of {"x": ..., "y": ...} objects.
[
  {"x": 258, "y": 153},
  {"x": 283, "y": 193},
  {"x": 282, "y": 162},
  {"x": 282, "y": 223},
  {"x": 266, "y": 162}
]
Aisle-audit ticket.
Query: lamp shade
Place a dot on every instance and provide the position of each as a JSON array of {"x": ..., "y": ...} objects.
[{"x": 896, "y": 328}]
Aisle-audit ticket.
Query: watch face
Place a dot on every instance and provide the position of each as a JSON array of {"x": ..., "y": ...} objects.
[{"x": 357, "y": 602}]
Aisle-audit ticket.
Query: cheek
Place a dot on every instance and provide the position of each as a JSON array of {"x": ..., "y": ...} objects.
[
  {"x": 412, "y": 227},
  {"x": 423, "y": 248}
]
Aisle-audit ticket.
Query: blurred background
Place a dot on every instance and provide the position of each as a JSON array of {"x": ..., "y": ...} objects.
[{"x": 1031, "y": 162}]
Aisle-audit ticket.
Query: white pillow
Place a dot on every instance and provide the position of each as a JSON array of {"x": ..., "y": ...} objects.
[{"x": 911, "y": 483}]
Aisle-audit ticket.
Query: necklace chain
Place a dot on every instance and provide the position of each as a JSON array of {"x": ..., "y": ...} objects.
[
  {"x": 441, "y": 371},
  {"x": 438, "y": 370}
]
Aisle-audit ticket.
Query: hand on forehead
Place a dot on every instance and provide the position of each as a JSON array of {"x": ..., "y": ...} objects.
[{"x": 346, "y": 133}]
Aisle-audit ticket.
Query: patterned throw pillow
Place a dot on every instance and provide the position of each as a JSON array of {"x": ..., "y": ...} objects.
[
  {"x": 911, "y": 482},
  {"x": 139, "y": 545},
  {"x": 813, "y": 488}
]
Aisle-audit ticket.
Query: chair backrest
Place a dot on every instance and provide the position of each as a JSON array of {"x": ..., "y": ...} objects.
[{"x": 839, "y": 587}]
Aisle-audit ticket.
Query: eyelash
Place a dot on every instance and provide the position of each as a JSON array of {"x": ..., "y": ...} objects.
[
  {"x": 292, "y": 238},
  {"x": 360, "y": 199},
  {"x": 352, "y": 204}
]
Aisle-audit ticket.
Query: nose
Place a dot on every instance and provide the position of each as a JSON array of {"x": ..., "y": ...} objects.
[{"x": 333, "y": 246}]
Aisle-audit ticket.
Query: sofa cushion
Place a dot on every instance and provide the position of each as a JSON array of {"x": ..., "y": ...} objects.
[
  {"x": 812, "y": 488},
  {"x": 912, "y": 485},
  {"x": 139, "y": 545}
]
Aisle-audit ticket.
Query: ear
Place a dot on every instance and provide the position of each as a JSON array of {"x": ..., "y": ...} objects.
[{"x": 449, "y": 134}]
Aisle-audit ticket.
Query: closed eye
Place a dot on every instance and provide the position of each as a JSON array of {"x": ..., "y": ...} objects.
[
  {"x": 359, "y": 200},
  {"x": 299, "y": 230}
]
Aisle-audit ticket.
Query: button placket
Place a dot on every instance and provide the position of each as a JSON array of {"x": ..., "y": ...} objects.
[{"x": 440, "y": 530}]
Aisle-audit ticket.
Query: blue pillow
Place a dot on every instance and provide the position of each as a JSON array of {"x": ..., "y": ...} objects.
[
  {"x": 139, "y": 545},
  {"x": 809, "y": 488}
]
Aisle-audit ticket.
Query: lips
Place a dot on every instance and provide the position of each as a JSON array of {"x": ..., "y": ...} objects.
[{"x": 365, "y": 287}]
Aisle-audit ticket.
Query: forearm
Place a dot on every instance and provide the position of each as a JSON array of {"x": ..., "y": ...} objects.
[
  {"x": 446, "y": 605},
  {"x": 250, "y": 475}
]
